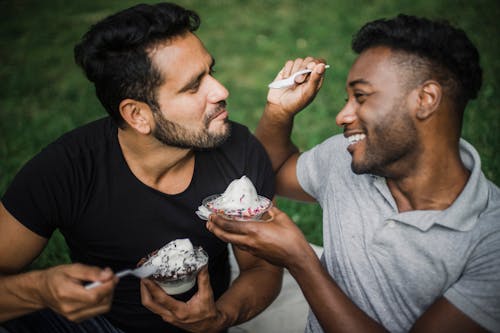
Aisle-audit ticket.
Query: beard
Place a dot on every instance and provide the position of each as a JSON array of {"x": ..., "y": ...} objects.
[
  {"x": 390, "y": 142},
  {"x": 174, "y": 134}
]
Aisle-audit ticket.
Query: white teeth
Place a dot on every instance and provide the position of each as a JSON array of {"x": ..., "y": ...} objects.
[{"x": 355, "y": 138}]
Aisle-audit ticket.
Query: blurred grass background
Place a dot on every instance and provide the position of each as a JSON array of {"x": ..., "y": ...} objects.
[{"x": 43, "y": 94}]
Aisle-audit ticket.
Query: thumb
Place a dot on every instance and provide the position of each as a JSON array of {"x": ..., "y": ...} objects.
[
  {"x": 204, "y": 287},
  {"x": 317, "y": 74},
  {"x": 89, "y": 273}
]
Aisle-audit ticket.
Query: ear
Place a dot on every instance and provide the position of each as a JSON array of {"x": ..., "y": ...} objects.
[
  {"x": 429, "y": 99},
  {"x": 137, "y": 115}
]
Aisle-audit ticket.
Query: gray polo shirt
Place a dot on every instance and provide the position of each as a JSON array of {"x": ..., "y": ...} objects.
[{"x": 395, "y": 265}]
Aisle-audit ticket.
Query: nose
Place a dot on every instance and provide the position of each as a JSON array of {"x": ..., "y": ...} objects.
[
  {"x": 347, "y": 115},
  {"x": 217, "y": 91}
]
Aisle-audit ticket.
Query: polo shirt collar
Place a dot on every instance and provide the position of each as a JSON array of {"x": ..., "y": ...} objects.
[{"x": 463, "y": 214}]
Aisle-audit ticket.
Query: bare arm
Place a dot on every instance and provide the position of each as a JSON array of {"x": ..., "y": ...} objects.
[
  {"x": 258, "y": 284},
  {"x": 59, "y": 287},
  {"x": 275, "y": 126},
  {"x": 281, "y": 242}
]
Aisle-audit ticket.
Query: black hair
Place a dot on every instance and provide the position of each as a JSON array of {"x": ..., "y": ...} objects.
[
  {"x": 114, "y": 52},
  {"x": 445, "y": 52}
]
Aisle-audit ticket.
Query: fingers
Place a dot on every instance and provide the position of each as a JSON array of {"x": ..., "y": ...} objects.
[
  {"x": 80, "y": 314},
  {"x": 229, "y": 225},
  {"x": 63, "y": 291},
  {"x": 156, "y": 299},
  {"x": 153, "y": 300},
  {"x": 187, "y": 315},
  {"x": 287, "y": 69},
  {"x": 205, "y": 292},
  {"x": 292, "y": 66},
  {"x": 89, "y": 273},
  {"x": 231, "y": 231}
]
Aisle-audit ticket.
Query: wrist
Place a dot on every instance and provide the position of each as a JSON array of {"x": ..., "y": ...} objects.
[
  {"x": 35, "y": 284},
  {"x": 20, "y": 295},
  {"x": 222, "y": 321},
  {"x": 303, "y": 262},
  {"x": 279, "y": 113}
]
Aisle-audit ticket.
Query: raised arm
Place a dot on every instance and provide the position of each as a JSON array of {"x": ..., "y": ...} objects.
[{"x": 275, "y": 126}]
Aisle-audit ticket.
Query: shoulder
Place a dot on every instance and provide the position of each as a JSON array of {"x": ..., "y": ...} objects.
[
  {"x": 331, "y": 153},
  {"x": 336, "y": 144},
  {"x": 88, "y": 136},
  {"x": 489, "y": 219},
  {"x": 73, "y": 154}
]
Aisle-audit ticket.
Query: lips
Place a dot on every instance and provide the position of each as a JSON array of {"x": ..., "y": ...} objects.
[
  {"x": 352, "y": 139},
  {"x": 219, "y": 110}
]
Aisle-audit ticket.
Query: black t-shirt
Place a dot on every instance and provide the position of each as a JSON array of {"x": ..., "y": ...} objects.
[{"x": 82, "y": 185}]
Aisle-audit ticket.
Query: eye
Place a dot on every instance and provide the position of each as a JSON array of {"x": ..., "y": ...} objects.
[
  {"x": 194, "y": 87},
  {"x": 360, "y": 97}
]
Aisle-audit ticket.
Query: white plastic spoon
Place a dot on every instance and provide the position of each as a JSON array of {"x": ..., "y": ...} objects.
[
  {"x": 141, "y": 272},
  {"x": 290, "y": 81}
]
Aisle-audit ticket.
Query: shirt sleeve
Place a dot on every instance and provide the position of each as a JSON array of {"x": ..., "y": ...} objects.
[
  {"x": 40, "y": 194},
  {"x": 317, "y": 165},
  {"x": 477, "y": 292}
]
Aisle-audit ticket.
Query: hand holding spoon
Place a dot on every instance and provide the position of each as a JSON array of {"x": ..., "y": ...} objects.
[{"x": 290, "y": 81}]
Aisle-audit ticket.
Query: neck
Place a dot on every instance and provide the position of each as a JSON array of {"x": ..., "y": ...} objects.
[
  {"x": 165, "y": 168},
  {"x": 433, "y": 183}
]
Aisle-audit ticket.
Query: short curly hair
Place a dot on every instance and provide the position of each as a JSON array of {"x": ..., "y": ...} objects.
[
  {"x": 114, "y": 52},
  {"x": 437, "y": 50}
]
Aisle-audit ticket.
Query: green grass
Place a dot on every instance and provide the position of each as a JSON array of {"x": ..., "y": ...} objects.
[{"x": 43, "y": 94}]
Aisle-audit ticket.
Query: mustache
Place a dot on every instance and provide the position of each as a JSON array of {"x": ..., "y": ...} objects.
[{"x": 221, "y": 106}]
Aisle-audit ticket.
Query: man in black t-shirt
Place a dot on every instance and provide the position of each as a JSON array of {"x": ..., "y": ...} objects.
[{"x": 125, "y": 185}]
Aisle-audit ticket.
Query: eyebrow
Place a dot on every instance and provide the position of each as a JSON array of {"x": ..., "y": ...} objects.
[
  {"x": 196, "y": 78},
  {"x": 358, "y": 81}
]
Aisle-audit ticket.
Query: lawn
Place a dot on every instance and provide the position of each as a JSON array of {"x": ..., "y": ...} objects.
[{"x": 43, "y": 94}]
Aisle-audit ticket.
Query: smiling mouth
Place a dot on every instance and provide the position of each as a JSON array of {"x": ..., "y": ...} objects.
[{"x": 353, "y": 139}]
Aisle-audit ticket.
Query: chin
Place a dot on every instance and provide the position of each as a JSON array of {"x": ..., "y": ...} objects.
[
  {"x": 219, "y": 128},
  {"x": 359, "y": 168}
]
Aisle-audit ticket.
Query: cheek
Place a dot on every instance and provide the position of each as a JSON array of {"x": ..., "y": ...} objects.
[
  {"x": 381, "y": 111},
  {"x": 185, "y": 108}
]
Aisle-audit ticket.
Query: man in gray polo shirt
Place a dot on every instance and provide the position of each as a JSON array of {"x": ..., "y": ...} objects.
[{"x": 411, "y": 225}]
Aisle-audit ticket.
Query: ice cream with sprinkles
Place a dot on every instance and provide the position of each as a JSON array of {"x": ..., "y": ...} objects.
[{"x": 240, "y": 199}]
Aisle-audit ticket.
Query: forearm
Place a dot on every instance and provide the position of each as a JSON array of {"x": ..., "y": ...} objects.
[
  {"x": 249, "y": 294},
  {"x": 273, "y": 131},
  {"x": 18, "y": 295},
  {"x": 333, "y": 309}
]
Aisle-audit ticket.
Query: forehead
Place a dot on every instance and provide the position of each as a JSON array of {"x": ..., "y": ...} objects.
[
  {"x": 376, "y": 66},
  {"x": 180, "y": 56}
]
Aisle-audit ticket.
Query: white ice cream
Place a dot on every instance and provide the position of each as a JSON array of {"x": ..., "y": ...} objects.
[
  {"x": 240, "y": 194},
  {"x": 176, "y": 259},
  {"x": 240, "y": 200}
]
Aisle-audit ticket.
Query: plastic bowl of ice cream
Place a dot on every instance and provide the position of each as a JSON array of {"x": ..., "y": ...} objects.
[
  {"x": 249, "y": 213},
  {"x": 239, "y": 201},
  {"x": 177, "y": 264}
]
